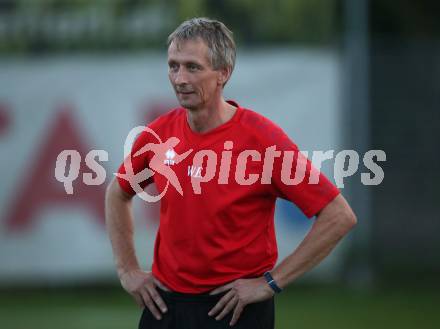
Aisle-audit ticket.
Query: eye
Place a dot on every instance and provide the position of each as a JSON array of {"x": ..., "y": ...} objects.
[
  {"x": 192, "y": 67},
  {"x": 173, "y": 66}
]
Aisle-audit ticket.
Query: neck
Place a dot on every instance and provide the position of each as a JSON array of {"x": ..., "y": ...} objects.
[{"x": 204, "y": 119}]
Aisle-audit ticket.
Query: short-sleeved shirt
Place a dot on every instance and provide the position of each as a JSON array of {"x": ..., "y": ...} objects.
[{"x": 218, "y": 224}]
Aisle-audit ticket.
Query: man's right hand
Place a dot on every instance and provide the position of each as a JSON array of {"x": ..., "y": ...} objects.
[{"x": 142, "y": 286}]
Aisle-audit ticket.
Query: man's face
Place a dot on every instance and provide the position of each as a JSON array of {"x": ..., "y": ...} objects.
[{"x": 190, "y": 72}]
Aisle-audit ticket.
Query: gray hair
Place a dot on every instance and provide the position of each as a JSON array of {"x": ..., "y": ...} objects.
[{"x": 215, "y": 34}]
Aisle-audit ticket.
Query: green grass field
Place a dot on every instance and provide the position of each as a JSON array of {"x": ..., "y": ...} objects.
[{"x": 300, "y": 308}]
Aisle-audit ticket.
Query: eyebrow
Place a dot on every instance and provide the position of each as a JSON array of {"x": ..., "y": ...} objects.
[{"x": 172, "y": 61}]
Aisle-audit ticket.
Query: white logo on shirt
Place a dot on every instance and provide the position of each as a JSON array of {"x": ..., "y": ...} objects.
[
  {"x": 169, "y": 154},
  {"x": 195, "y": 171}
]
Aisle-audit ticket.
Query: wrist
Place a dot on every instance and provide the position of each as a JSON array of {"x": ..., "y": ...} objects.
[
  {"x": 272, "y": 283},
  {"x": 121, "y": 271},
  {"x": 266, "y": 287}
]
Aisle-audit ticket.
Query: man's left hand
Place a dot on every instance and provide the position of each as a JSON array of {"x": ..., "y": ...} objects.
[{"x": 240, "y": 293}]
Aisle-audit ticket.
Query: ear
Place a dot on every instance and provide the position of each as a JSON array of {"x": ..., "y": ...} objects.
[{"x": 223, "y": 75}]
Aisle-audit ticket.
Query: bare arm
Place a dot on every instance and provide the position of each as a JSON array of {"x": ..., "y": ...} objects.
[
  {"x": 331, "y": 225},
  {"x": 120, "y": 226},
  {"x": 119, "y": 222}
]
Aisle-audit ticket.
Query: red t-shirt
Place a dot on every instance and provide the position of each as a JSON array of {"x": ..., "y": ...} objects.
[{"x": 217, "y": 231}]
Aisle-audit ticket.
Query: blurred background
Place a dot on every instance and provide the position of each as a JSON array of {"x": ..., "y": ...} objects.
[{"x": 334, "y": 74}]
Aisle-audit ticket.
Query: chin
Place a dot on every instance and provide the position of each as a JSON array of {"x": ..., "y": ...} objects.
[{"x": 189, "y": 105}]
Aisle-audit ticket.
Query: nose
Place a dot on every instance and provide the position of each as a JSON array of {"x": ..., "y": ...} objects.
[{"x": 180, "y": 77}]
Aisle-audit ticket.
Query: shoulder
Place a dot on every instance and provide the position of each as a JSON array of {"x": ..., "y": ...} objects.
[
  {"x": 267, "y": 131},
  {"x": 158, "y": 126},
  {"x": 252, "y": 119}
]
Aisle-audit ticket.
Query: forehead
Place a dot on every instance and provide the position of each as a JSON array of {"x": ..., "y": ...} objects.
[{"x": 188, "y": 50}]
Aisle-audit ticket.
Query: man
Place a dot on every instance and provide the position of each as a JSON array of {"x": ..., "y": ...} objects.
[{"x": 215, "y": 249}]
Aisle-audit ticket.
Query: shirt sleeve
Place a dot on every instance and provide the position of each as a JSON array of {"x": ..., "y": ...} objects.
[
  {"x": 138, "y": 163},
  {"x": 298, "y": 180}
]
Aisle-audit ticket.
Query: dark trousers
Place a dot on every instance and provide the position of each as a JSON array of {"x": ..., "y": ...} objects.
[{"x": 187, "y": 311}]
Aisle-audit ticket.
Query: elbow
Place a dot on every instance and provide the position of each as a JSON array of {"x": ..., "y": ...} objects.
[
  {"x": 344, "y": 220},
  {"x": 340, "y": 215},
  {"x": 348, "y": 220}
]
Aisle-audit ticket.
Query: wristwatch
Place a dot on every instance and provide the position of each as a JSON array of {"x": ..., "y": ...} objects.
[{"x": 271, "y": 282}]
